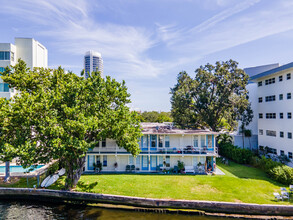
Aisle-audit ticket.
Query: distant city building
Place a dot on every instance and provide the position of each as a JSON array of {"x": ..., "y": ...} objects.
[
  {"x": 93, "y": 61},
  {"x": 29, "y": 50},
  {"x": 275, "y": 108}
]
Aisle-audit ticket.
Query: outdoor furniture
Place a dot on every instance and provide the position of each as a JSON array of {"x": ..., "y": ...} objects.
[
  {"x": 283, "y": 189},
  {"x": 277, "y": 196},
  {"x": 189, "y": 169},
  {"x": 132, "y": 168},
  {"x": 127, "y": 168},
  {"x": 285, "y": 195},
  {"x": 291, "y": 188}
]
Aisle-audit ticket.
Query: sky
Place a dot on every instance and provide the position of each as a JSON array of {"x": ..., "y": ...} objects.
[{"x": 148, "y": 42}]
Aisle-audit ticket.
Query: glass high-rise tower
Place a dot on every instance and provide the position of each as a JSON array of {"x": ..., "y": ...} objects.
[{"x": 93, "y": 61}]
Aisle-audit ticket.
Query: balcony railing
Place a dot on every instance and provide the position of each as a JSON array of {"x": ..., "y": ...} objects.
[{"x": 169, "y": 150}]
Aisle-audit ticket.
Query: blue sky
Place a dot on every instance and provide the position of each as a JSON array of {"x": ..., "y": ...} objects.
[{"x": 148, "y": 42}]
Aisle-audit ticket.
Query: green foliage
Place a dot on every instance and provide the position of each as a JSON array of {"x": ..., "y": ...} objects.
[
  {"x": 239, "y": 155},
  {"x": 53, "y": 168},
  {"x": 155, "y": 116},
  {"x": 224, "y": 139},
  {"x": 180, "y": 165},
  {"x": 58, "y": 116},
  {"x": 215, "y": 93}
]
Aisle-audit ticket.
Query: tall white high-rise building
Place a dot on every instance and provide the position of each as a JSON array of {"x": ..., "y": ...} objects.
[
  {"x": 93, "y": 61},
  {"x": 275, "y": 109},
  {"x": 29, "y": 50}
]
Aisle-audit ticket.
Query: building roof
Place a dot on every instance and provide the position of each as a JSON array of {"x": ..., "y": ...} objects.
[
  {"x": 272, "y": 71},
  {"x": 167, "y": 128}
]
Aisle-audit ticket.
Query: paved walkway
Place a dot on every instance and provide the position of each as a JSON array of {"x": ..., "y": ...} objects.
[{"x": 219, "y": 172}]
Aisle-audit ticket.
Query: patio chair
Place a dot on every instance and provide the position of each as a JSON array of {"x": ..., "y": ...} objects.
[
  {"x": 132, "y": 168},
  {"x": 291, "y": 188},
  {"x": 285, "y": 195},
  {"x": 277, "y": 196},
  {"x": 127, "y": 168},
  {"x": 283, "y": 189}
]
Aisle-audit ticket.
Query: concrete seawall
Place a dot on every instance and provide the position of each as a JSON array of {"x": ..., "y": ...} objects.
[{"x": 209, "y": 206}]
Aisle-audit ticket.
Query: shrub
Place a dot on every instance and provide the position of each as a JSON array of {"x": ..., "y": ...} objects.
[{"x": 239, "y": 155}]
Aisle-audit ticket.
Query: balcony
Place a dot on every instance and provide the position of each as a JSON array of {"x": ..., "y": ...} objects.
[{"x": 188, "y": 150}]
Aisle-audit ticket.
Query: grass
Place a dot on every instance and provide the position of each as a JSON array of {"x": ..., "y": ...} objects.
[{"x": 240, "y": 184}]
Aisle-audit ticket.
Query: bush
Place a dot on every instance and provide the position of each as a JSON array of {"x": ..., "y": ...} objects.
[{"x": 239, "y": 155}]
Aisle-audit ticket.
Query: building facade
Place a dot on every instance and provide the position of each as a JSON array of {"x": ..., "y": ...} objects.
[
  {"x": 29, "y": 50},
  {"x": 162, "y": 146},
  {"x": 252, "y": 142},
  {"x": 275, "y": 109},
  {"x": 93, "y": 61}
]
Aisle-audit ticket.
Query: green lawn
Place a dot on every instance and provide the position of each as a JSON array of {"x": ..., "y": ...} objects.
[{"x": 240, "y": 184}]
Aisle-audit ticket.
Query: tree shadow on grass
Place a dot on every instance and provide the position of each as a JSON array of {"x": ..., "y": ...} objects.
[{"x": 84, "y": 187}]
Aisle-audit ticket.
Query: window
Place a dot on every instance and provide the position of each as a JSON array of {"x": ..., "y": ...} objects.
[
  {"x": 282, "y": 153},
  {"x": 167, "y": 161},
  {"x": 260, "y": 115},
  {"x": 260, "y": 131},
  {"x": 105, "y": 162},
  {"x": 281, "y": 115},
  {"x": 130, "y": 159},
  {"x": 289, "y": 95},
  {"x": 161, "y": 140},
  {"x": 4, "y": 55},
  {"x": 289, "y": 115},
  {"x": 167, "y": 141},
  {"x": 290, "y": 155},
  {"x": 153, "y": 140},
  {"x": 289, "y": 135},
  {"x": 4, "y": 87},
  {"x": 195, "y": 141},
  {"x": 281, "y": 97},
  {"x": 260, "y": 99},
  {"x": 271, "y": 133},
  {"x": 137, "y": 160},
  {"x": 270, "y": 81},
  {"x": 281, "y": 134},
  {"x": 104, "y": 143},
  {"x": 280, "y": 78},
  {"x": 288, "y": 76},
  {"x": 270, "y": 98},
  {"x": 259, "y": 83},
  {"x": 202, "y": 141},
  {"x": 270, "y": 115}
]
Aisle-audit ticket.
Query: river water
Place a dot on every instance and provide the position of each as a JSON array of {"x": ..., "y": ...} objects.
[{"x": 38, "y": 211}]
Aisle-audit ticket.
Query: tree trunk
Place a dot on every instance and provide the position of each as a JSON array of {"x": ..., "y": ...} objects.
[
  {"x": 74, "y": 171},
  {"x": 7, "y": 171}
]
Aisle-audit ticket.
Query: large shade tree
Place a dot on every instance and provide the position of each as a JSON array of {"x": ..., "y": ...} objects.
[
  {"x": 59, "y": 116},
  {"x": 216, "y": 93}
]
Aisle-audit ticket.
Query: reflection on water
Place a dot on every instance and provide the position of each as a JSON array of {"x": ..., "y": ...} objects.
[{"x": 37, "y": 211}]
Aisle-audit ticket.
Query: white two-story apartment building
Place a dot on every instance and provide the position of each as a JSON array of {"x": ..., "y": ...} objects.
[
  {"x": 162, "y": 146},
  {"x": 275, "y": 109}
]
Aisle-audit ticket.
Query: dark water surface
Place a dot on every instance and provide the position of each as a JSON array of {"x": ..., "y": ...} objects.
[{"x": 39, "y": 210}]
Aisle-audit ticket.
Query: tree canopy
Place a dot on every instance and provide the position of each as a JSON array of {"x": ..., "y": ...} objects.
[
  {"x": 217, "y": 92},
  {"x": 154, "y": 116},
  {"x": 58, "y": 116}
]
